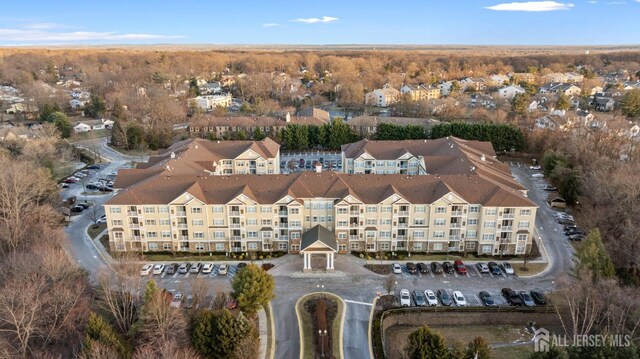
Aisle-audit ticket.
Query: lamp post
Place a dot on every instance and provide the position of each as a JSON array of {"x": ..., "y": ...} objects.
[
  {"x": 322, "y": 334},
  {"x": 321, "y": 288}
]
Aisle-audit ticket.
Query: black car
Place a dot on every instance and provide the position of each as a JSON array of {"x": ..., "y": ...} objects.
[
  {"x": 448, "y": 267},
  {"x": 571, "y": 231},
  {"x": 412, "y": 268},
  {"x": 512, "y": 297},
  {"x": 494, "y": 268},
  {"x": 105, "y": 189},
  {"x": 94, "y": 167},
  {"x": 444, "y": 297},
  {"x": 570, "y": 227},
  {"x": 241, "y": 265},
  {"x": 91, "y": 187},
  {"x": 84, "y": 205},
  {"x": 549, "y": 188},
  {"x": 172, "y": 268},
  {"x": 576, "y": 237},
  {"x": 77, "y": 209},
  {"x": 436, "y": 268},
  {"x": 486, "y": 299},
  {"x": 538, "y": 297},
  {"x": 423, "y": 268}
]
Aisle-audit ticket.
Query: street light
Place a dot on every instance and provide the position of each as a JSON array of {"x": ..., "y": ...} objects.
[
  {"x": 321, "y": 287},
  {"x": 552, "y": 284},
  {"x": 322, "y": 334}
]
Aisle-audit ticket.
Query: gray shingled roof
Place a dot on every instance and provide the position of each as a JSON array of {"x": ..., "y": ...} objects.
[{"x": 319, "y": 233}]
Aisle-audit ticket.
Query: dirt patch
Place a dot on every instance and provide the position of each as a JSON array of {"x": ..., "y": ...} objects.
[
  {"x": 331, "y": 310},
  {"x": 267, "y": 266},
  {"x": 379, "y": 268}
]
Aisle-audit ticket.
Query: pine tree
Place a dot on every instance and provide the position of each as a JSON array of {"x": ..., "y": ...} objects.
[
  {"x": 424, "y": 344},
  {"x": 478, "y": 349},
  {"x": 593, "y": 257},
  {"x": 98, "y": 330},
  {"x": 253, "y": 288}
]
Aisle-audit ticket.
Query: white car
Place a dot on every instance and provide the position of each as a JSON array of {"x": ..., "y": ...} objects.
[
  {"x": 432, "y": 300},
  {"x": 158, "y": 269},
  {"x": 537, "y": 175},
  {"x": 102, "y": 219},
  {"x": 405, "y": 298},
  {"x": 458, "y": 298},
  {"x": 535, "y": 168},
  {"x": 146, "y": 269},
  {"x": 177, "y": 300},
  {"x": 508, "y": 269},
  {"x": 222, "y": 270},
  {"x": 397, "y": 269},
  {"x": 207, "y": 268}
]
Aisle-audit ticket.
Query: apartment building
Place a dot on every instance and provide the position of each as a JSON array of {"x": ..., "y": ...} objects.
[
  {"x": 222, "y": 127},
  {"x": 384, "y": 97},
  {"x": 209, "y": 102},
  {"x": 217, "y": 158},
  {"x": 420, "y": 92}
]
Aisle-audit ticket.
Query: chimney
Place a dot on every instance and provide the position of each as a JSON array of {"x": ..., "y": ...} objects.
[
  {"x": 318, "y": 167},
  {"x": 288, "y": 117},
  {"x": 483, "y": 158}
]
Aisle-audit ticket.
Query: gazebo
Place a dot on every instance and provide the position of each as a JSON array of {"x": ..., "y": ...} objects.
[{"x": 318, "y": 241}]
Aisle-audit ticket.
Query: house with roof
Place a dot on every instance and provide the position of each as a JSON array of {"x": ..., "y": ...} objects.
[
  {"x": 367, "y": 126},
  {"x": 603, "y": 103},
  {"x": 90, "y": 125},
  {"x": 499, "y": 79},
  {"x": 549, "y": 122},
  {"x": 420, "y": 92},
  {"x": 77, "y": 103},
  {"x": 473, "y": 84},
  {"x": 558, "y": 88},
  {"x": 223, "y": 127},
  {"x": 384, "y": 97},
  {"x": 209, "y": 102},
  {"x": 210, "y": 88},
  {"x": 181, "y": 206},
  {"x": 16, "y": 133},
  {"x": 510, "y": 91}
]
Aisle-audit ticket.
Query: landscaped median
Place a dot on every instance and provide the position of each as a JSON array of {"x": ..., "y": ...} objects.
[{"x": 320, "y": 322}]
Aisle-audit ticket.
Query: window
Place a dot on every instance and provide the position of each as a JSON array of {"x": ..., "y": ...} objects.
[
  {"x": 486, "y": 249},
  {"x": 439, "y": 222},
  {"x": 472, "y": 221},
  {"x": 441, "y": 210},
  {"x": 218, "y": 209},
  {"x": 149, "y": 210},
  {"x": 385, "y": 209},
  {"x": 385, "y": 221},
  {"x": 198, "y": 235},
  {"x": 321, "y": 218},
  {"x": 474, "y": 209},
  {"x": 282, "y": 246},
  {"x": 342, "y": 235},
  {"x": 266, "y": 222},
  {"x": 372, "y": 209},
  {"x": 266, "y": 235},
  {"x": 418, "y": 234},
  {"x": 197, "y": 222},
  {"x": 438, "y": 234},
  {"x": 384, "y": 246},
  {"x": 294, "y": 210},
  {"x": 252, "y": 234},
  {"x": 490, "y": 211},
  {"x": 219, "y": 247},
  {"x": 165, "y": 222},
  {"x": 153, "y": 246},
  {"x": 391, "y": 163},
  {"x": 199, "y": 246},
  {"x": 470, "y": 245},
  {"x": 252, "y": 221},
  {"x": 114, "y": 210},
  {"x": 117, "y": 235},
  {"x": 371, "y": 221},
  {"x": 419, "y": 209},
  {"x": 487, "y": 237},
  {"x": 490, "y": 224},
  {"x": 316, "y": 206},
  {"x": 218, "y": 221},
  {"x": 522, "y": 237},
  {"x": 355, "y": 246},
  {"x": 166, "y": 246},
  {"x": 218, "y": 234},
  {"x": 519, "y": 249},
  {"x": 437, "y": 246},
  {"x": 418, "y": 221},
  {"x": 253, "y": 246},
  {"x": 525, "y": 212},
  {"x": 417, "y": 246},
  {"x": 342, "y": 210},
  {"x": 472, "y": 234},
  {"x": 196, "y": 210},
  {"x": 265, "y": 209},
  {"x": 380, "y": 163},
  {"x": 152, "y": 234},
  {"x": 371, "y": 246},
  {"x": 329, "y": 218},
  {"x": 385, "y": 234},
  {"x": 166, "y": 234},
  {"x": 252, "y": 209},
  {"x": 163, "y": 209},
  {"x": 295, "y": 235},
  {"x": 315, "y": 219},
  {"x": 371, "y": 234},
  {"x": 295, "y": 224},
  {"x": 116, "y": 222},
  {"x": 523, "y": 224}
]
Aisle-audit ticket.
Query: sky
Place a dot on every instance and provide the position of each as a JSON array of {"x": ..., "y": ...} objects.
[{"x": 415, "y": 22}]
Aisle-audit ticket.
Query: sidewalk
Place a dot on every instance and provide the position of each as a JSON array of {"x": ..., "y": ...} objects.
[{"x": 263, "y": 332}]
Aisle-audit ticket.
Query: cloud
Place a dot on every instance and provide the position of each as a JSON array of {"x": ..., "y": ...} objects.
[
  {"x": 42, "y": 34},
  {"x": 44, "y": 26},
  {"x": 313, "y": 20},
  {"x": 271, "y": 24},
  {"x": 616, "y": 3},
  {"x": 531, "y": 6}
]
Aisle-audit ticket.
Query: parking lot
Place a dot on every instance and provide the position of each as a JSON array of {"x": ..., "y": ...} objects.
[{"x": 293, "y": 162}]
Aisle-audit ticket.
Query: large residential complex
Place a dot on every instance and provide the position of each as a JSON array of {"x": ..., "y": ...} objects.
[{"x": 178, "y": 203}]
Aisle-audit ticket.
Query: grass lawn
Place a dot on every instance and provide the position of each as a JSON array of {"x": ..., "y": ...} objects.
[
  {"x": 94, "y": 230},
  {"x": 75, "y": 137},
  {"x": 270, "y": 334},
  {"x": 195, "y": 258},
  {"x": 532, "y": 269},
  {"x": 307, "y": 328},
  {"x": 105, "y": 242},
  {"x": 520, "y": 351}
]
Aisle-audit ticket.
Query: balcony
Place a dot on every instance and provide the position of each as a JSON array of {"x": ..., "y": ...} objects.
[
  {"x": 283, "y": 238},
  {"x": 401, "y": 238},
  {"x": 283, "y": 213},
  {"x": 452, "y": 249},
  {"x": 183, "y": 238},
  {"x": 182, "y": 226},
  {"x": 403, "y": 213},
  {"x": 456, "y": 213},
  {"x": 506, "y": 228},
  {"x": 234, "y": 225},
  {"x": 234, "y": 213},
  {"x": 354, "y": 225},
  {"x": 508, "y": 215},
  {"x": 354, "y": 213},
  {"x": 135, "y": 238},
  {"x": 455, "y": 225},
  {"x": 235, "y": 238},
  {"x": 237, "y": 249},
  {"x": 132, "y": 213},
  {"x": 283, "y": 225},
  {"x": 134, "y": 225},
  {"x": 403, "y": 225},
  {"x": 454, "y": 238},
  {"x": 354, "y": 237},
  {"x": 181, "y": 213}
]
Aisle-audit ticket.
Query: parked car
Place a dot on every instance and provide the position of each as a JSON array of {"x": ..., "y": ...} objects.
[
  {"x": 158, "y": 269},
  {"x": 172, "y": 268},
  {"x": 91, "y": 186},
  {"x": 76, "y": 209},
  {"x": 146, "y": 269},
  {"x": 188, "y": 304},
  {"x": 412, "y": 268},
  {"x": 576, "y": 237},
  {"x": 207, "y": 268},
  {"x": 445, "y": 298},
  {"x": 508, "y": 269},
  {"x": 405, "y": 298},
  {"x": 538, "y": 297},
  {"x": 240, "y": 266},
  {"x": 535, "y": 167},
  {"x": 571, "y": 231},
  {"x": 396, "y": 268},
  {"x": 195, "y": 268},
  {"x": 94, "y": 167},
  {"x": 105, "y": 189},
  {"x": 436, "y": 268},
  {"x": 184, "y": 268},
  {"x": 447, "y": 267},
  {"x": 84, "y": 205},
  {"x": 526, "y": 299},
  {"x": 222, "y": 270},
  {"x": 511, "y": 296},
  {"x": 550, "y": 188},
  {"x": 487, "y": 299},
  {"x": 423, "y": 268},
  {"x": 70, "y": 180},
  {"x": 432, "y": 300},
  {"x": 65, "y": 185},
  {"x": 102, "y": 219},
  {"x": 460, "y": 267},
  {"x": 177, "y": 300},
  {"x": 459, "y": 299},
  {"x": 482, "y": 268},
  {"x": 494, "y": 268},
  {"x": 537, "y": 175},
  {"x": 419, "y": 298}
]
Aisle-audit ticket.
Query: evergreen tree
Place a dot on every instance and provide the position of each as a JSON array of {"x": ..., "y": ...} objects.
[
  {"x": 553, "y": 353},
  {"x": 217, "y": 334},
  {"x": 520, "y": 104},
  {"x": 593, "y": 257},
  {"x": 62, "y": 123},
  {"x": 258, "y": 135},
  {"x": 253, "y": 288},
  {"x": 119, "y": 133},
  {"x": 478, "y": 349},
  {"x": 424, "y": 344},
  {"x": 563, "y": 102},
  {"x": 630, "y": 104},
  {"x": 118, "y": 111},
  {"x": 47, "y": 111},
  {"x": 96, "y": 107},
  {"x": 98, "y": 330},
  {"x": 135, "y": 134}
]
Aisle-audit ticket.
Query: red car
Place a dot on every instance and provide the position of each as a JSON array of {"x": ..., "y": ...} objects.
[{"x": 460, "y": 267}]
